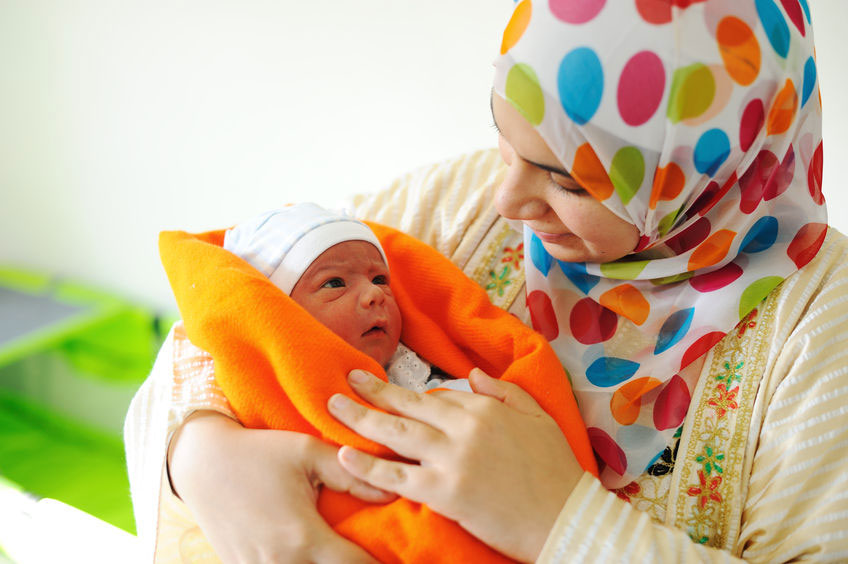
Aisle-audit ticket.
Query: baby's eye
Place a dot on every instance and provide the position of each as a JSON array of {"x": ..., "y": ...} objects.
[
  {"x": 380, "y": 279},
  {"x": 333, "y": 283}
]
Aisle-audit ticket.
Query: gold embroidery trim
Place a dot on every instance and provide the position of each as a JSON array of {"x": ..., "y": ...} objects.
[
  {"x": 713, "y": 446},
  {"x": 501, "y": 279}
]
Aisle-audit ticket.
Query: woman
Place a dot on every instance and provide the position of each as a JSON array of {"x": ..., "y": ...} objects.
[{"x": 665, "y": 163}]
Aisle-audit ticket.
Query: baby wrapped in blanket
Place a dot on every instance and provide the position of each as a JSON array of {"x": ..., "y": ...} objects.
[{"x": 305, "y": 296}]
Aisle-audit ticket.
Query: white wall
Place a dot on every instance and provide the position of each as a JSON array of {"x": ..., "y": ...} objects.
[{"x": 122, "y": 118}]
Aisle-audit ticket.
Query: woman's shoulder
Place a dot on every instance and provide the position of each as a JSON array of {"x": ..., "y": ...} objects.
[{"x": 817, "y": 290}]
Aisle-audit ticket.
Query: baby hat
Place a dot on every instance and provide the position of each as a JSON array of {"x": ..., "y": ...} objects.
[{"x": 281, "y": 244}]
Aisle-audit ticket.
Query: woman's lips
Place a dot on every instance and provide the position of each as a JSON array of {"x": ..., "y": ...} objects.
[{"x": 550, "y": 237}]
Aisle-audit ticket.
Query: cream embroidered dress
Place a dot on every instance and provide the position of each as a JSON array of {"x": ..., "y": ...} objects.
[{"x": 757, "y": 472}]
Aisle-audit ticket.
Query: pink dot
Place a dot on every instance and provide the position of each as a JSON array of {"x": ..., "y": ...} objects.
[
  {"x": 700, "y": 347},
  {"x": 607, "y": 450},
  {"x": 752, "y": 122},
  {"x": 640, "y": 87},
  {"x": 591, "y": 322},
  {"x": 716, "y": 280},
  {"x": 654, "y": 11},
  {"x": 814, "y": 175},
  {"x": 576, "y": 11},
  {"x": 542, "y": 314},
  {"x": 793, "y": 10},
  {"x": 753, "y": 182},
  {"x": 782, "y": 178},
  {"x": 711, "y": 195},
  {"x": 672, "y": 404},
  {"x": 806, "y": 243},
  {"x": 690, "y": 237}
]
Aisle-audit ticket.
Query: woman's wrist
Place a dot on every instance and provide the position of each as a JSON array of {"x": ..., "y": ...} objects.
[{"x": 186, "y": 446}]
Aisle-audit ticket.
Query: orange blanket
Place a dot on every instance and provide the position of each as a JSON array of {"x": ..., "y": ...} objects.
[{"x": 278, "y": 366}]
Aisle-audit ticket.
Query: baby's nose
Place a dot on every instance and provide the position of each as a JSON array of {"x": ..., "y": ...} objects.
[{"x": 372, "y": 295}]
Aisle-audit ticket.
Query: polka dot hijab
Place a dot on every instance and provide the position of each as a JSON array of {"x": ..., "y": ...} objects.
[{"x": 699, "y": 122}]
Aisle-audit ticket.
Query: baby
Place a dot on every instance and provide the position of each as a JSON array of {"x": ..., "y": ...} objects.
[{"x": 335, "y": 268}]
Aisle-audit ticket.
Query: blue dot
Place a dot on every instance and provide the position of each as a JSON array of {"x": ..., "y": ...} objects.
[
  {"x": 806, "y": 9},
  {"x": 809, "y": 80},
  {"x": 581, "y": 84},
  {"x": 609, "y": 371},
  {"x": 775, "y": 26},
  {"x": 540, "y": 257},
  {"x": 674, "y": 329},
  {"x": 761, "y": 236},
  {"x": 711, "y": 151},
  {"x": 576, "y": 272}
]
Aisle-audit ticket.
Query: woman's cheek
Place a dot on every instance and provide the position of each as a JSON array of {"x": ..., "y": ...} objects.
[{"x": 505, "y": 150}]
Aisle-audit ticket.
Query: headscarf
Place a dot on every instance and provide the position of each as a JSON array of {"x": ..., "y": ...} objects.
[{"x": 699, "y": 122}]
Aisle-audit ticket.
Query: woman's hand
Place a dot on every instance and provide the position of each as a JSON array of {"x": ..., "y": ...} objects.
[
  {"x": 493, "y": 461},
  {"x": 254, "y": 492}
]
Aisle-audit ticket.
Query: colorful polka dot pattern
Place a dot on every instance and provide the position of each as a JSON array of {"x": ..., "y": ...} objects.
[{"x": 711, "y": 147}]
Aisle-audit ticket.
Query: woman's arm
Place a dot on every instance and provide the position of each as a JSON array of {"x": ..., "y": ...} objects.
[{"x": 219, "y": 469}]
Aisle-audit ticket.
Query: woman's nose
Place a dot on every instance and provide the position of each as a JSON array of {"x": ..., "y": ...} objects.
[{"x": 520, "y": 195}]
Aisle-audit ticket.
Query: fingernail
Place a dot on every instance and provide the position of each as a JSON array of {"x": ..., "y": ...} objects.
[
  {"x": 349, "y": 454},
  {"x": 339, "y": 401},
  {"x": 358, "y": 377}
]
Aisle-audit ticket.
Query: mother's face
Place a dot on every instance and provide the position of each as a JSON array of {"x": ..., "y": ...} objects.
[{"x": 572, "y": 225}]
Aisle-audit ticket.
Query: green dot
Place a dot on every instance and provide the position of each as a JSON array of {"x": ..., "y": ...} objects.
[
  {"x": 667, "y": 222},
  {"x": 523, "y": 92},
  {"x": 627, "y": 172},
  {"x": 692, "y": 91},
  {"x": 672, "y": 279},
  {"x": 757, "y": 292},
  {"x": 627, "y": 270}
]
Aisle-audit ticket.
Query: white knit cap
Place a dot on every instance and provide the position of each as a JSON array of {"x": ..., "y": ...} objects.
[{"x": 283, "y": 243}]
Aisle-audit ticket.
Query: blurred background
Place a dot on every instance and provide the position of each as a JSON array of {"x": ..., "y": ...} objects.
[{"x": 119, "y": 119}]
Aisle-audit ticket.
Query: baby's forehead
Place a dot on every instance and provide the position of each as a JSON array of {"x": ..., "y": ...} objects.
[{"x": 352, "y": 255}]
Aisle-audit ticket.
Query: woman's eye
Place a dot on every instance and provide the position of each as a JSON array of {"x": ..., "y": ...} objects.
[
  {"x": 381, "y": 279},
  {"x": 569, "y": 185},
  {"x": 333, "y": 283}
]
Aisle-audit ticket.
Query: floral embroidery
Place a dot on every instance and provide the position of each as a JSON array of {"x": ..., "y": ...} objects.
[
  {"x": 497, "y": 265},
  {"x": 630, "y": 489},
  {"x": 731, "y": 374},
  {"x": 514, "y": 256},
  {"x": 707, "y": 491},
  {"x": 711, "y": 460},
  {"x": 498, "y": 283},
  {"x": 665, "y": 464},
  {"x": 724, "y": 400},
  {"x": 749, "y": 322}
]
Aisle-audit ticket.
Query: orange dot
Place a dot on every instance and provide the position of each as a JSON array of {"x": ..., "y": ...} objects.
[
  {"x": 627, "y": 301},
  {"x": 590, "y": 173},
  {"x": 668, "y": 183},
  {"x": 627, "y": 400},
  {"x": 739, "y": 49},
  {"x": 712, "y": 250},
  {"x": 783, "y": 111},
  {"x": 517, "y": 25}
]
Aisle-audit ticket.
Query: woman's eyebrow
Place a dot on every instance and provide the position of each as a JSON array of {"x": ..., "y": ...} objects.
[{"x": 549, "y": 168}]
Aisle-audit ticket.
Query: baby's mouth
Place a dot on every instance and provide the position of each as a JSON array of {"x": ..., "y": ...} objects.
[{"x": 375, "y": 330}]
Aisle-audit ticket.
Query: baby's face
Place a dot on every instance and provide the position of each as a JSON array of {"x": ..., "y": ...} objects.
[{"x": 347, "y": 289}]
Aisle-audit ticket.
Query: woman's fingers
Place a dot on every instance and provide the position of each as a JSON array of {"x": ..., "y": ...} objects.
[
  {"x": 407, "y": 437},
  {"x": 506, "y": 392},
  {"x": 426, "y": 408},
  {"x": 407, "y": 480},
  {"x": 323, "y": 468}
]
